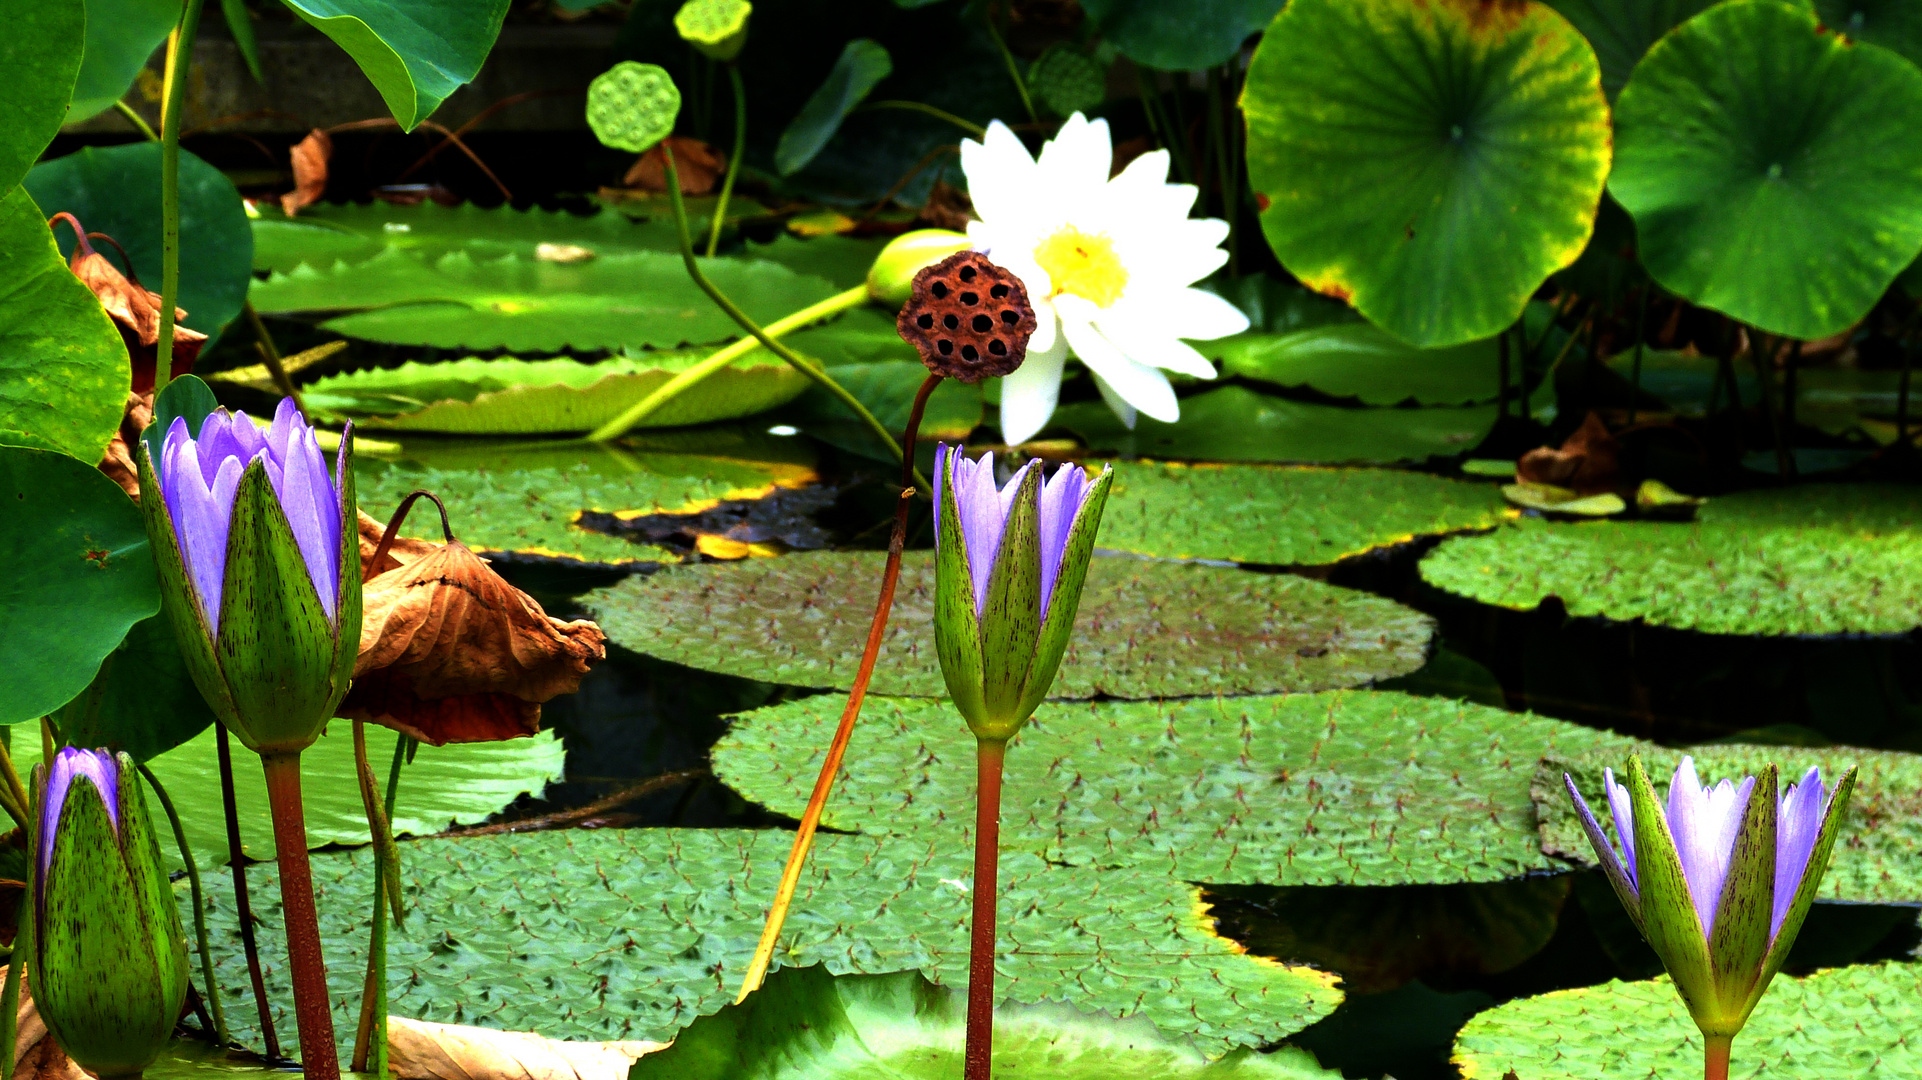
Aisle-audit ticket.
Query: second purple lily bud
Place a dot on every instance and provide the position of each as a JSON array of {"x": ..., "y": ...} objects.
[
  {"x": 1718, "y": 880},
  {"x": 1009, "y": 564}
]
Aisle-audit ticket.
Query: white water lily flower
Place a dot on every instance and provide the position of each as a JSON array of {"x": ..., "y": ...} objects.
[{"x": 1108, "y": 265}]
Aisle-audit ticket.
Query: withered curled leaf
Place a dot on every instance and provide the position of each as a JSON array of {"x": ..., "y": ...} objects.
[
  {"x": 420, "y": 1050},
  {"x": 449, "y": 652},
  {"x": 698, "y": 165},
  {"x": 402, "y": 551},
  {"x": 310, "y": 156},
  {"x": 135, "y": 310},
  {"x": 118, "y": 462},
  {"x": 1585, "y": 464}
]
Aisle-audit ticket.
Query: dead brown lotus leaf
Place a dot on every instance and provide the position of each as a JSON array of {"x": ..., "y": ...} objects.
[
  {"x": 118, "y": 462},
  {"x": 697, "y": 164},
  {"x": 310, "y": 156},
  {"x": 402, "y": 551},
  {"x": 418, "y": 1050},
  {"x": 135, "y": 310},
  {"x": 1586, "y": 464},
  {"x": 36, "y": 1056},
  {"x": 449, "y": 652}
]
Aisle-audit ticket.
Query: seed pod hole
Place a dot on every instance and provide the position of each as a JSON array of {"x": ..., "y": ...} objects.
[{"x": 968, "y": 318}]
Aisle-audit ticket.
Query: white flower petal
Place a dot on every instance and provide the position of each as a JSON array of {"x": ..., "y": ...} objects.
[
  {"x": 1200, "y": 315},
  {"x": 1116, "y": 402},
  {"x": 1139, "y": 385},
  {"x": 1078, "y": 157},
  {"x": 1029, "y": 393},
  {"x": 1001, "y": 175},
  {"x": 1047, "y": 324}
]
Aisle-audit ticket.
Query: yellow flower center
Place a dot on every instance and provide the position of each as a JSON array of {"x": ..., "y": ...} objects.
[{"x": 1084, "y": 264}]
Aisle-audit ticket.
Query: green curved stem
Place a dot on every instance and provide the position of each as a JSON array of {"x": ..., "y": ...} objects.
[
  {"x": 734, "y": 312},
  {"x": 211, "y": 989},
  {"x": 1014, "y": 71},
  {"x": 734, "y": 159},
  {"x": 180, "y": 48},
  {"x": 968, "y": 126},
  {"x": 134, "y": 118},
  {"x": 722, "y": 357}
]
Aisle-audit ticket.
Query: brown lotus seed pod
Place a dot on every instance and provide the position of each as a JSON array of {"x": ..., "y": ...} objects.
[{"x": 969, "y": 318}]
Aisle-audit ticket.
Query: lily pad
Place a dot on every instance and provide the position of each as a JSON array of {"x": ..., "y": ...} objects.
[
  {"x": 1849, "y": 1021},
  {"x": 415, "y": 52},
  {"x": 1878, "y": 855},
  {"x": 41, "y": 55},
  {"x": 121, "y": 36},
  {"x": 805, "y": 1023},
  {"x": 1817, "y": 559},
  {"x": 116, "y": 190},
  {"x": 529, "y": 500},
  {"x": 1620, "y": 31},
  {"x": 63, "y": 367},
  {"x": 1797, "y": 228},
  {"x": 1338, "y": 788},
  {"x": 324, "y": 234},
  {"x": 638, "y": 299},
  {"x": 633, "y": 933},
  {"x": 78, "y": 574},
  {"x": 1281, "y": 515},
  {"x": 1432, "y": 163},
  {"x": 1235, "y": 423},
  {"x": 142, "y": 698},
  {"x": 1184, "y": 35},
  {"x": 1360, "y": 360},
  {"x": 1145, "y": 629},
  {"x": 550, "y": 397},
  {"x": 457, "y": 784}
]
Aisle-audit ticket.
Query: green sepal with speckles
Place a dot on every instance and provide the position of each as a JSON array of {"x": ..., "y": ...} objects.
[
  {"x": 957, "y": 632},
  {"x": 1805, "y": 894},
  {"x": 1668, "y": 913},
  {"x": 1011, "y": 615},
  {"x": 1066, "y": 601},
  {"x": 1740, "y": 939}
]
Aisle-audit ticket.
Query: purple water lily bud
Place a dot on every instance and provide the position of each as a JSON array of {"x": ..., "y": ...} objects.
[
  {"x": 259, "y": 570},
  {"x": 1719, "y": 879},
  {"x": 1010, "y": 561}
]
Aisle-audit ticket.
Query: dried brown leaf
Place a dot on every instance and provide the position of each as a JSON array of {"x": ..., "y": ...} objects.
[
  {"x": 1586, "y": 464},
  {"x": 119, "y": 463},
  {"x": 697, "y": 164},
  {"x": 418, "y": 1050},
  {"x": 948, "y": 207},
  {"x": 36, "y": 1056},
  {"x": 310, "y": 156},
  {"x": 449, "y": 652},
  {"x": 135, "y": 310},
  {"x": 401, "y": 552}
]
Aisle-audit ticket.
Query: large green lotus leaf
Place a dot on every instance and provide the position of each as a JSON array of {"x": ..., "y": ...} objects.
[
  {"x": 1827, "y": 559},
  {"x": 1336, "y": 788},
  {"x": 116, "y": 190},
  {"x": 40, "y": 53},
  {"x": 1286, "y": 516},
  {"x": 1849, "y": 1021},
  {"x": 1433, "y": 163},
  {"x": 457, "y": 784},
  {"x": 1360, "y": 360},
  {"x": 1180, "y": 35},
  {"x": 1144, "y": 629},
  {"x": 843, "y": 260},
  {"x": 1235, "y": 423},
  {"x": 1892, "y": 24},
  {"x": 551, "y": 397},
  {"x": 632, "y": 933},
  {"x": 142, "y": 700},
  {"x": 415, "y": 52},
  {"x": 805, "y": 1024},
  {"x": 888, "y": 389},
  {"x": 121, "y": 36},
  {"x": 77, "y": 574},
  {"x": 862, "y": 64},
  {"x": 1878, "y": 854},
  {"x": 636, "y": 299},
  {"x": 529, "y": 501},
  {"x": 1620, "y": 31},
  {"x": 63, "y": 367},
  {"x": 324, "y": 234},
  {"x": 1768, "y": 167}
]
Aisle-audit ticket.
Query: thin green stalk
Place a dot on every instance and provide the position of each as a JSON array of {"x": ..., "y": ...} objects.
[
  {"x": 968, "y": 126},
  {"x": 792, "y": 358},
  {"x": 15, "y": 793},
  {"x": 733, "y": 159},
  {"x": 133, "y": 118},
  {"x": 370, "y": 1041},
  {"x": 10, "y": 995},
  {"x": 180, "y": 48},
  {"x": 1014, "y": 69},
  {"x": 210, "y": 990},
  {"x": 722, "y": 357}
]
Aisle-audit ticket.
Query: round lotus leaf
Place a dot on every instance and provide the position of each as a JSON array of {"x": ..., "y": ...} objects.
[
  {"x": 1769, "y": 167},
  {"x": 1432, "y": 163},
  {"x": 632, "y": 933},
  {"x": 1283, "y": 515},
  {"x": 1878, "y": 859},
  {"x": 1067, "y": 80},
  {"x": 631, "y": 106},
  {"x": 806, "y": 1024},
  {"x": 1144, "y": 629},
  {"x": 1850, "y": 1021},
  {"x": 1817, "y": 559},
  {"x": 1621, "y": 31},
  {"x": 718, "y": 28},
  {"x": 1346, "y": 787}
]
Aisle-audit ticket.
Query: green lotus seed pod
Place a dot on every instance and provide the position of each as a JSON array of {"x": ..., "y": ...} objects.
[
  {"x": 631, "y": 106},
  {"x": 718, "y": 28},
  {"x": 891, "y": 278}
]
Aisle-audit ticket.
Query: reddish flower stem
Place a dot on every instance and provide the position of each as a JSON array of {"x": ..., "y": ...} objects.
[
  {"x": 979, "y": 1058},
  {"x": 312, "y": 1012},
  {"x": 837, "y": 749},
  {"x": 1715, "y": 1057}
]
